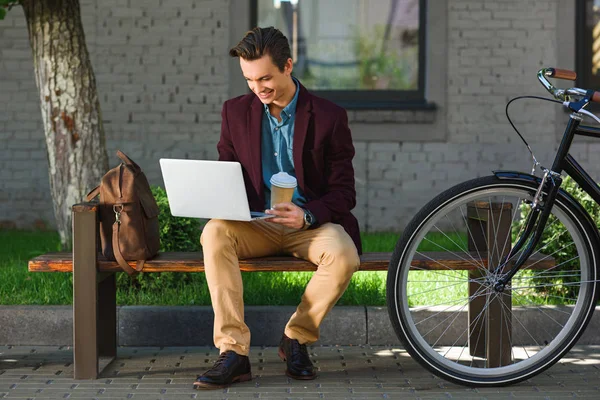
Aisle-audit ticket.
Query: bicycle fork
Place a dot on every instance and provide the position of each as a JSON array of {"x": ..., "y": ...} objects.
[{"x": 534, "y": 227}]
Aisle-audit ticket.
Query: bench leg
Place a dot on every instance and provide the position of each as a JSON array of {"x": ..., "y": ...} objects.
[
  {"x": 107, "y": 315},
  {"x": 85, "y": 296},
  {"x": 499, "y": 316},
  {"x": 477, "y": 242},
  {"x": 490, "y": 330},
  {"x": 477, "y": 325}
]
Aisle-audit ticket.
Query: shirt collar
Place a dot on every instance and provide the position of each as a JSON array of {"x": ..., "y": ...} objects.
[{"x": 290, "y": 109}]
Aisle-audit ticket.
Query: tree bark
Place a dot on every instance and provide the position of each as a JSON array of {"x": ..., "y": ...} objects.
[{"x": 69, "y": 103}]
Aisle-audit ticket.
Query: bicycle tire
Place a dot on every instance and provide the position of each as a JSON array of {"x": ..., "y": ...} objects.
[{"x": 405, "y": 320}]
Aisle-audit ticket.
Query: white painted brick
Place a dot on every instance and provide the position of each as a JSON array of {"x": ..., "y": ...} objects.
[
  {"x": 529, "y": 24},
  {"x": 416, "y": 157},
  {"x": 417, "y": 185},
  {"x": 509, "y": 15},
  {"x": 385, "y": 147}
]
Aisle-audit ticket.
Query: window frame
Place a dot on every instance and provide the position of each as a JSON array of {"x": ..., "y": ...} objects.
[
  {"x": 378, "y": 99},
  {"x": 581, "y": 59},
  {"x": 583, "y": 53}
]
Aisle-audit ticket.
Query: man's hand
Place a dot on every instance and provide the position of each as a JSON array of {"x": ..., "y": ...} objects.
[{"x": 287, "y": 214}]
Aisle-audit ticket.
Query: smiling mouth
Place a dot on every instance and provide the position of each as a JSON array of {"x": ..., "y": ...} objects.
[{"x": 265, "y": 94}]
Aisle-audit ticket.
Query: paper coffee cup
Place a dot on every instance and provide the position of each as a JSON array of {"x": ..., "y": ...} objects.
[{"x": 282, "y": 188}]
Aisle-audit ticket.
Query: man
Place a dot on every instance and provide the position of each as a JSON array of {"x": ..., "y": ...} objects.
[{"x": 281, "y": 127}]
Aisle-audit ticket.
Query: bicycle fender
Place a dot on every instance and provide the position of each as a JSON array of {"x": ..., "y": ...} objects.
[{"x": 521, "y": 176}]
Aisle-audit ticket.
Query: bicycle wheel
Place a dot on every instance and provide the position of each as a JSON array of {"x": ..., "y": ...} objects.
[{"x": 440, "y": 286}]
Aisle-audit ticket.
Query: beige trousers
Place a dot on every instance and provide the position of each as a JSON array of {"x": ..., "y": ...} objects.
[{"x": 225, "y": 242}]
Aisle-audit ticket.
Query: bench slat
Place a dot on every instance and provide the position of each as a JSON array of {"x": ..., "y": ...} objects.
[
  {"x": 193, "y": 262},
  {"x": 444, "y": 261}
]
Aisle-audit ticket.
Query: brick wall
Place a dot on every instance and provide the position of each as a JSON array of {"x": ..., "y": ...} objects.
[
  {"x": 162, "y": 77},
  {"x": 24, "y": 187}
]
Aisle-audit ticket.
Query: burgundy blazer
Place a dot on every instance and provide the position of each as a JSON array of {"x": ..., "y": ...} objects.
[{"x": 322, "y": 154}]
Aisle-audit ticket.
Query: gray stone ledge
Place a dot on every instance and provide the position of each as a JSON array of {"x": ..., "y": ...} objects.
[{"x": 192, "y": 326}]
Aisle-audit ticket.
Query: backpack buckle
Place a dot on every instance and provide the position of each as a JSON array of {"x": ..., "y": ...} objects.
[{"x": 117, "y": 212}]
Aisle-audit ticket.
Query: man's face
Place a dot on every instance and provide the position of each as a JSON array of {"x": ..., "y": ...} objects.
[{"x": 266, "y": 80}]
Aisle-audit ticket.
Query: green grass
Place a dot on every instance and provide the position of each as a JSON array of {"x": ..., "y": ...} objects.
[{"x": 17, "y": 285}]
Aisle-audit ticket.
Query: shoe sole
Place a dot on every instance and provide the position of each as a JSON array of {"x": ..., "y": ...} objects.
[
  {"x": 281, "y": 355},
  {"x": 237, "y": 379}
]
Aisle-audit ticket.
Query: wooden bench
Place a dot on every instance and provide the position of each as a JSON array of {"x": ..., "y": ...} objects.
[{"x": 94, "y": 283}]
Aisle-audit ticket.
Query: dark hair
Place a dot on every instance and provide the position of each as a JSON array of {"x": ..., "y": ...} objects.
[{"x": 261, "y": 41}]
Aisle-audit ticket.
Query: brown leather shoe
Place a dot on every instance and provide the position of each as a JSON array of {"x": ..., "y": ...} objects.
[
  {"x": 229, "y": 368},
  {"x": 296, "y": 356}
]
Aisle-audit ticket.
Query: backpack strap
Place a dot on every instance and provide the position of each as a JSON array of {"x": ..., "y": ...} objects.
[
  {"x": 119, "y": 257},
  {"x": 128, "y": 160},
  {"x": 93, "y": 193}
]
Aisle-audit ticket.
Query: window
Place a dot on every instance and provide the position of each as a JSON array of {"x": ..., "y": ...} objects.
[{"x": 358, "y": 53}]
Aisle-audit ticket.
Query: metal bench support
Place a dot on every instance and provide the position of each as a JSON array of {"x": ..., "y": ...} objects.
[
  {"x": 490, "y": 326},
  {"x": 94, "y": 300}
]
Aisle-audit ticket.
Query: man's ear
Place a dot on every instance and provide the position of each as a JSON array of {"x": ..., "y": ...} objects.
[{"x": 289, "y": 66}]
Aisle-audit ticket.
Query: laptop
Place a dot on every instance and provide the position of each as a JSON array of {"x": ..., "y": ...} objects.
[{"x": 207, "y": 189}]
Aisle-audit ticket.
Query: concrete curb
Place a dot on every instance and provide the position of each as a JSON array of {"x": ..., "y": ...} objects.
[{"x": 192, "y": 326}]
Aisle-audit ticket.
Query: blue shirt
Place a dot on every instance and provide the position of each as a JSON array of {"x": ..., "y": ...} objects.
[{"x": 277, "y": 141}]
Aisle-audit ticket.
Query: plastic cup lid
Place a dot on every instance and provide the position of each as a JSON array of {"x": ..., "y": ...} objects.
[{"x": 283, "y": 180}]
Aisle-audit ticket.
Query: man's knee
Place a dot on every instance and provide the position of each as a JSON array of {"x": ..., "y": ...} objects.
[
  {"x": 215, "y": 231},
  {"x": 345, "y": 258}
]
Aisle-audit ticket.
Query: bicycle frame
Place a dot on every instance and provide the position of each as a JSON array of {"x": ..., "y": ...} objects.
[{"x": 551, "y": 183}]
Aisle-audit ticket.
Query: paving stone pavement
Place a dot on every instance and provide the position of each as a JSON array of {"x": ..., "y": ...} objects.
[{"x": 345, "y": 372}]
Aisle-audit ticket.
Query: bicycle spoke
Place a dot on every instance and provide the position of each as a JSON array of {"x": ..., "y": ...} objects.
[
  {"x": 512, "y": 221},
  {"x": 552, "y": 285},
  {"x": 439, "y": 323},
  {"x": 544, "y": 276},
  {"x": 523, "y": 326},
  {"x": 434, "y": 289},
  {"x": 509, "y": 329},
  {"x": 547, "y": 256},
  {"x": 446, "y": 330},
  {"x": 465, "y": 281},
  {"x": 451, "y": 252},
  {"x": 437, "y": 272},
  {"x": 570, "y": 299},
  {"x": 476, "y": 294},
  {"x": 446, "y": 267},
  {"x": 415, "y": 309},
  {"x": 470, "y": 234},
  {"x": 475, "y": 320},
  {"x": 524, "y": 348},
  {"x": 558, "y": 266},
  {"x": 464, "y": 246},
  {"x": 543, "y": 312},
  {"x": 495, "y": 229},
  {"x": 450, "y": 239}
]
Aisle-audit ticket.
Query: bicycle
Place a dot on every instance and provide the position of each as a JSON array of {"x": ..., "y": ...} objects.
[{"x": 507, "y": 318}]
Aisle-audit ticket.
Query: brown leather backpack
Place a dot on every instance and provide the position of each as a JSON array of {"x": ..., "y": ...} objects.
[{"x": 128, "y": 215}]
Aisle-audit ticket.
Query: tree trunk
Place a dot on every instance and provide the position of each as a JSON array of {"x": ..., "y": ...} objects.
[{"x": 69, "y": 104}]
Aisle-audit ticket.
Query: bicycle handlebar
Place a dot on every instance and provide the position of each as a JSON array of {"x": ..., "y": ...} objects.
[
  {"x": 561, "y": 94},
  {"x": 562, "y": 74}
]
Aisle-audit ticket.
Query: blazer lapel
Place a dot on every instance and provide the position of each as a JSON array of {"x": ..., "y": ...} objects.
[
  {"x": 303, "y": 116},
  {"x": 254, "y": 119}
]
